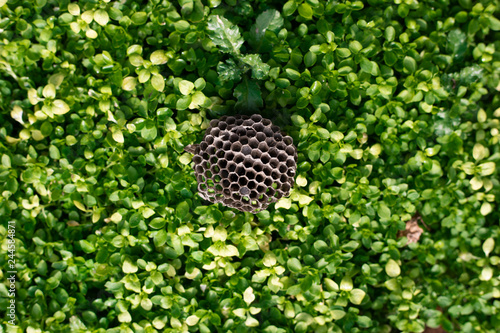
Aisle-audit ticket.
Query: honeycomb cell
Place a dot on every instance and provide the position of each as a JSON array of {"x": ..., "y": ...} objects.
[{"x": 244, "y": 163}]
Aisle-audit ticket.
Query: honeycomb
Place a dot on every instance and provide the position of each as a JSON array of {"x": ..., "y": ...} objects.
[{"x": 244, "y": 162}]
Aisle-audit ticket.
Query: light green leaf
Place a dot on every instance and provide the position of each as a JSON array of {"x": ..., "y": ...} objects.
[
  {"x": 487, "y": 168},
  {"x": 346, "y": 284},
  {"x": 158, "y": 82},
  {"x": 337, "y": 314},
  {"x": 356, "y": 296},
  {"x": 129, "y": 266},
  {"x": 186, "y": 87},
  {"x": 101, "y": 17},
  {"x": 488, "y": 246},
  {"x": 392, "y": 268},
  {"x": 158, "y": 57}
]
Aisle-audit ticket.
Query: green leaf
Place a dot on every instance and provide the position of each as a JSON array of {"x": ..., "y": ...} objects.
[
  {"x": 224, "y": 34},
  {"x": 392, "y": 268},
  {"x": 410, "y": 64},
  {"x": 289, "y": 8},
  {"x": 139, "y": 18},
  {"x": 294, "y": 265},
  {"x": 149, "y": 131},
  {"x": 306, "y": 11},
  {"x": 260, "y": 70},
  {"x": 248, "y": 95},
  {"x": 268, "y": 20},
  {"x": 383, "y": 211},
  {"x": 182, "y": 210},
  {"x": 229, "y": 71}
]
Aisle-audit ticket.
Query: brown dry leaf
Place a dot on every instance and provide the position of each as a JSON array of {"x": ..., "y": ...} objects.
[{"x": 413, "y": 230}]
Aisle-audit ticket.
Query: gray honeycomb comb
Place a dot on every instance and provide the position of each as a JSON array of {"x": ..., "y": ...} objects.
[{"x": 244, "y": 162}]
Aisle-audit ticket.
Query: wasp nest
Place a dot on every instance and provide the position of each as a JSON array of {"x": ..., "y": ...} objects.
[{"x": 244, "y": 162}]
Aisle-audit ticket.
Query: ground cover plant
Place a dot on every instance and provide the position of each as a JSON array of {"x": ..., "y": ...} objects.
[{"x": 393, "y": 222}]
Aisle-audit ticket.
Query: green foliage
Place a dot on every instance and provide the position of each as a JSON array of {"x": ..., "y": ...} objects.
[{"x": 394, "y": 109}]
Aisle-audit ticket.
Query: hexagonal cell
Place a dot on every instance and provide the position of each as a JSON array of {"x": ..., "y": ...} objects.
[
  {"x": 267, "y": 170},
  {"x": 275, "y": 174},
  {"x": 265, "y": 158},
  {"x": 274, "y": 163},
  {"x": 242, "y": 181},
  {"x": 270, "y": 142},
  {"x": 247, "y": 122},
  {"x": 273, "y": 152},
  {"x": 281, "y": 146},
  {"x": 233, "y": 177},
  {"x": 263, "y": 147},
  {"x": 197, "y": 159},
  {"x": 215, "y": 169},
  {"x": 250, "y": 132},
  {"x": 213, "y": 159},
  {"x": 285, "y": 187},
  {"x": 209, "y": 139},
  {"x": 230, "y": 120},
  {"x": 288, "y": 140},
  {"x": 268, "y": 132},
  {"x": 234, "y": 187},
  {"x": 252, "y": 185},
  {"x": 240, "y": 170},
  {"x": 290, "y": 151},
  {"x": 226, "y": 183},
  {"x": 203, "y": 146},
  {"x": 243, "y": 140},
  {"x": 256, "y": 117},
  {"x": 282, "y": 168},
  {"x": 239, "y": 122},
  {"x": 211, "y": 150},
  {"x": 261, "y": 189},
  {"x": 222, "y": 125},
  {"x": 256, "y": 153},
  {"x": 254, "y": 195},
  {"x": 224, "y": 173},
  {"x": 234, "y": 138},
  {"x": 250, "y": 174},
  {"x": 217, "y": 178},
  {"x": 260, "y": 136},
  {"x": 257, "y": 167},
  {"x": 215, "y": 122},
  {"x": 248, "y": 162},
  {"x": 236, "y": 196},
  {"x": 208, "y": 174},
  {"x": 246, "y": 150},
  {"x": 259, "y": 178},
  {"x": 282, "y": 156},
  {"x": 236, "y": 146},
  {"x": 290, "y": 173},
  {"x": 214, "y": 132},
  {"x": 218, "y": 143},
  {"x": 231, "y": 166},
  {"x": 268, "y": 182},
  {"x": 244, "y": 190},
  {"x": 226, "y": 145},
  {"x": 239, "y": 158},
  {"x": 229, "y": 156},
  {"x": 266, "y": 122}
]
